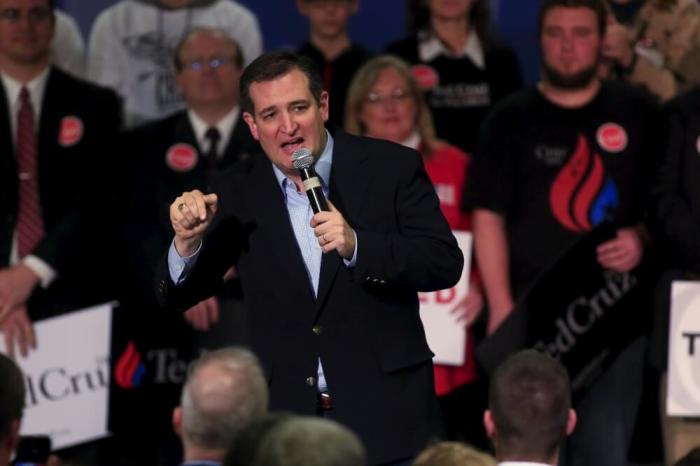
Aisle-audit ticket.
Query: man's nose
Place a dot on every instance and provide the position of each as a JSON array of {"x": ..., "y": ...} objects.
[
  {"x": 289, "y": 125},
  {"x": 567, "y": 43}
]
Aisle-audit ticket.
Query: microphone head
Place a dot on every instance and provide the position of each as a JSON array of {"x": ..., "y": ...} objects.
[{"x": 302, "y": 158}]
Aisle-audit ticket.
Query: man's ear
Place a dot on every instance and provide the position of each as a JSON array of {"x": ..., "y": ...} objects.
[
  {"x": 489, "y": 425},
  {"x": 177, "y": 420},
  {"x": 571, "y": 422},
  {"x": 250, "y": 121},
  {"x": 324, "y": 105}
]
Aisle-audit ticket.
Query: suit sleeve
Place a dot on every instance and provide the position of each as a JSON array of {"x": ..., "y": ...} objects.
[
  {"x": 220, "y": 250},
  {"x": 422, "y": 254}
]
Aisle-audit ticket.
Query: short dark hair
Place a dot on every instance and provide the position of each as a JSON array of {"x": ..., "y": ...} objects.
[
  {"x": 273, "y": 65},
  {"x": 238, "y": 58},
  {"x": 599, "y": 7},
  {"x": 529, "y": 399},
  {"x": 12, "y": 393}
]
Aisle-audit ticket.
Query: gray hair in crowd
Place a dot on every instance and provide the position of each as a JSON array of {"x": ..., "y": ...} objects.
[
  {"x": 310, "y": 441},
  {"x": 224, "y": 392}
]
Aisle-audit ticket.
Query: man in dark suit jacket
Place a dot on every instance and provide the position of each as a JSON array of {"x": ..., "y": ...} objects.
[
  {"x": 332, "y": 297},
  {"x": 183, "y": 152},
  {"x": 67, "y": 133}
]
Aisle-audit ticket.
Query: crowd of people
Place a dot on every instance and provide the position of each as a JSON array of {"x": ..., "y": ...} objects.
[{"x": 155, "y": 166}]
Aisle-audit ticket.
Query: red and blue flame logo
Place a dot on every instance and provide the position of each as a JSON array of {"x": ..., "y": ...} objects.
[
  {"x": 129, "y": 369},
  {"x": 581, "y": 196}
]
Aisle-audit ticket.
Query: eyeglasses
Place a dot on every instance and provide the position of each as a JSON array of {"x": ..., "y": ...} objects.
[
  {"x": 213, "y": 62},
  {"x": 396, "y": 95},
  {"x": 34, "y": 15}
]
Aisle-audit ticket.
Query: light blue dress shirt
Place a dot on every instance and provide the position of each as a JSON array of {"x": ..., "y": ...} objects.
[{"x": 300, "y": 215}]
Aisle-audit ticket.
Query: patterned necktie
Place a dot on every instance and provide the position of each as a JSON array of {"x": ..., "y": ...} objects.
[
  {"x": 213, "y": 136},
  {"x": 30, "y": 223}
]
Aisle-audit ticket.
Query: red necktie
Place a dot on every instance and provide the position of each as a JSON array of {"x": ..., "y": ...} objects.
[{"x": 30, "y": 223}]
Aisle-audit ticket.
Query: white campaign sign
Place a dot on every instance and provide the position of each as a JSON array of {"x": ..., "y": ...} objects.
[
  {"x": 684, "y": 350},
  {"x": 446, "y": 337},
  {"x": 67, "y": 377}
]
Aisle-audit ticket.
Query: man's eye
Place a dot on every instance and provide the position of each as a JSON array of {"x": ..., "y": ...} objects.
[{"x": 299, "y": 108}]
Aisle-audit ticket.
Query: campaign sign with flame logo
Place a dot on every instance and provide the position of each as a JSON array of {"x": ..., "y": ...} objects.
[
  {"x": 576, "y": 312},
  {"x": 581, "y": 196}
]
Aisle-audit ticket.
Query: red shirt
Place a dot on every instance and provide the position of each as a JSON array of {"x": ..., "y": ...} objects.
[{"x": 447, "y": 168}]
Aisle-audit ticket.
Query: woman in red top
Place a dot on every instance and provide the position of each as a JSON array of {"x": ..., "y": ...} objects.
[{"x": 384, "y": 101}]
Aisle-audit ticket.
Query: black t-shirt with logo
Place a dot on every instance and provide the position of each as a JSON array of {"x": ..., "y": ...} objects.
[
  {"x": 555, "y": 173},
  {"x": 459, "y": 93}
]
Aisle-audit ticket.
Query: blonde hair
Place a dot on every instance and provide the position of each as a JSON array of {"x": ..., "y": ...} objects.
[
  {"x": 361, "y": 86},
  {"x": 453, "y": 454}
]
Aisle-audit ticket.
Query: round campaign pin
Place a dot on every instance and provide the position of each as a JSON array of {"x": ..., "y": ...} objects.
[
  {"x": 70, "y": 131},
  {"x": 612, "y": 137},
  {"x": 181, "y": 157},
  {"x": 426, "y": 76}
]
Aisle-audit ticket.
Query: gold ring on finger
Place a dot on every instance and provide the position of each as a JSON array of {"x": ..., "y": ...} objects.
[{"x": 181, "y": 206}]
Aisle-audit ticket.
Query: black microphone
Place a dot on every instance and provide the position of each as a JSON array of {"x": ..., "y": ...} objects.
[{"x": 303, "y": 160}]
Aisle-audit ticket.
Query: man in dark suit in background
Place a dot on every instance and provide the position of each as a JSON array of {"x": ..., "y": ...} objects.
[
  {"x": 332, "y": 296},
  {"x": 183, "y": 152},
  {"x": 55, "y": 133},
  {"x": 179, "y": 153}
]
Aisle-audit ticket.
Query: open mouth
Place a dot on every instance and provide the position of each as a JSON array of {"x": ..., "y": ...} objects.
[{"x": 293, "y": 144}]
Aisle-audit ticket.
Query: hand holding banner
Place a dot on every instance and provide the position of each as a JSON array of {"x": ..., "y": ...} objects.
[
  {"x": 447, "y": 337},
  {"x": 67, "y": 377}
]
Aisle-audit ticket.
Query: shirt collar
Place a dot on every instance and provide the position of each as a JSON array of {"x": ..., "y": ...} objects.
[
  {"x": 413, "y": 141},
  {"x": 322, "y": 166},
  {"x": 430, "y": 47},
  {"x": 36, "y": 88},
  {"x": 224, "y": 125}
]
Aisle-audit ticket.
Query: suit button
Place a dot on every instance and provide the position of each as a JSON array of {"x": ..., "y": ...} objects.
[
  {"x": 317, "y": 329},
  {"x": 311, "y": 381},
  {"x": 375, "y": 280},
  {"x": 368, "y": 278},
  {"x": 382, "y": 281}
]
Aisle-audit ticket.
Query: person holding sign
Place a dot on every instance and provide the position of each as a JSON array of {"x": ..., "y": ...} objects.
[
  {"x": 554, "y": 162},
  {"x": 385, "y": 102}
]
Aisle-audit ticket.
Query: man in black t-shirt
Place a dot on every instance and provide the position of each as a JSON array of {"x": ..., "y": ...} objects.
[
  {"x": 330, "y": 47},
  {"x": 553, "y": 162}
]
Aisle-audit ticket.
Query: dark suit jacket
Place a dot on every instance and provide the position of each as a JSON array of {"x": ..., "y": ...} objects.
[
  {"x": 73, "y": 187},
  {"x": 676, "y": 212},
  {"x": 364, "y": 325},
  {"x": 677, "y": 193},
  {"x": 157, "y": 184}
]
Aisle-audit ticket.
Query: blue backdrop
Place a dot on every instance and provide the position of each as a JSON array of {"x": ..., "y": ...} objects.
[{"x": 378, "y": 23}]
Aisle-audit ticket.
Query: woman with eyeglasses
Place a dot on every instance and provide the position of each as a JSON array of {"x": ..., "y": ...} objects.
[
  {"x": 463, "y": 70},
  {"x": 384, "y": 101}
]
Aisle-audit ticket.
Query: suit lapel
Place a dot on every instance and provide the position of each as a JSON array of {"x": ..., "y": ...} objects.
[
  {"x": 347, "y": 190},
  {"x": 267, "y": 202},
  {"x": 8, "y": 180}
]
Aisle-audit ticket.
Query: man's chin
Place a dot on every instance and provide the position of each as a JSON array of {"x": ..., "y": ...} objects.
[{"x": 570, "y": 81}]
